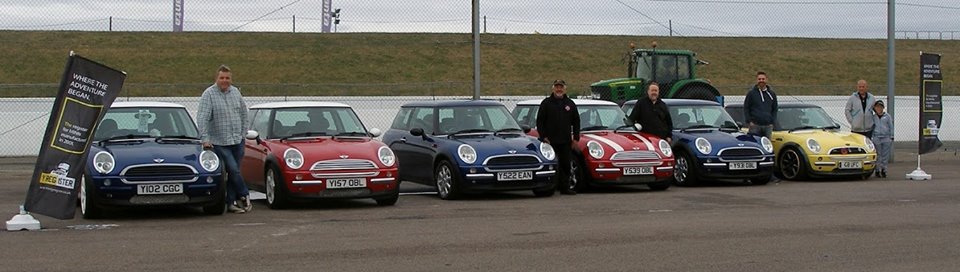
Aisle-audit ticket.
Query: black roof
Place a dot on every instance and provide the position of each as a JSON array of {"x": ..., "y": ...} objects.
[
  {"x": 681, "y": 102},
  {"x": 452, "y": 103}
]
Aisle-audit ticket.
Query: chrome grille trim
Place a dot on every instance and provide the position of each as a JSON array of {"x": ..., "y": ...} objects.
[
  {"x": 759, "y": 156},
  {"x": 172, "y": 173},
  {"x": 635, "y": 155},
  {"x": 343, "y": 164}
]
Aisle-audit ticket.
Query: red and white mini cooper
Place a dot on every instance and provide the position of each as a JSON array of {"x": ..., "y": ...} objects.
[
  {"x": 610, "y": 152},
  {"x": 313, "y": 150}
]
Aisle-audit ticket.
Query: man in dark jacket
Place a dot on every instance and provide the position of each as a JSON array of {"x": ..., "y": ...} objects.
[
  {"x": 651, "y": 113},
  {"x": 760, "y": 107},
  {"x": 558, "y": 123}
]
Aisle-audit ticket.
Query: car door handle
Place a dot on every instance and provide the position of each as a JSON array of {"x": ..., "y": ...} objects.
[{"x": 403, "y": 140}]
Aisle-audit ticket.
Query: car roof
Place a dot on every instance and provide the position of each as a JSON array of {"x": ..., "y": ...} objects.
[
  {"x": 578, "y": 102},
  {"x": 689, "y": 102},
  {"x": 451, "y": 103},
  {"x": 781, "y": 105},
  {"x": 299, "y": 104},
  {"x": 144, "y": 104}
]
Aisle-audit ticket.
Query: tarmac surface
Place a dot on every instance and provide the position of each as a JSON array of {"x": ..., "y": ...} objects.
[{"x": 827, "y": 225}]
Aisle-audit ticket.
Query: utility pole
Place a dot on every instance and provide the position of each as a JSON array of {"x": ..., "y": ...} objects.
[
  {"x": 670, "y": 22},
  {"x": 110, "y": 27},
  {"x": 891, "y": 63},
  {"x": 294, "y": 23},
  {"x": 484, "y": 23},
  {"x": 476, "y": 49}
]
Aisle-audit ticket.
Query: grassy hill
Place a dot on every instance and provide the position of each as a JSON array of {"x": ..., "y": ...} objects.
[{"x": 181, "y": 64}]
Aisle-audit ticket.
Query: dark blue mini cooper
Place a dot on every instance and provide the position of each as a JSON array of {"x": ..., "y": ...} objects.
[
  {"x": 469, "y": 146},
  {"x": 708, "y": 145},
  {"x": 148, "y": 154}
]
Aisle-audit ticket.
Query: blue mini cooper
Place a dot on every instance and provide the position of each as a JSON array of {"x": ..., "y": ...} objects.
[
  {"x": 469, "y": 146},
  {"x": 708, "y": 145},
  {"x": 147, "y": 154}
]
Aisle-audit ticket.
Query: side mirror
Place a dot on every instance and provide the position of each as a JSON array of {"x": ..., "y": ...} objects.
[
  {"x": 416, "y": 131},
  {"x": 375, "y": 132},
  {"x": 739, "y": 124},
  {"x": 252, "y": 134},
  {"x": 525, "y": 128},
  {"x": 638, "y": 126}
]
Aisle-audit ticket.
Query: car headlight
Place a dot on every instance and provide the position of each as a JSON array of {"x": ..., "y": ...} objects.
[
  {"x": 767, "y": 145},
  {"x": 293, "y": 158},
  {"x": 547, "y": 151},
  {"x": 103, "y": 162},
  {"x": 813, "y": 145},
  {"x": 467, "y": 153},
  {"x": 209, "y": 160},
  {"x": 386, "y": 156},
  {"x": 867, "y": 142},
  {"x": 665, "y": 148},
  {"x": 595, "y": 150},
  {"x": 703, "y": 146}
]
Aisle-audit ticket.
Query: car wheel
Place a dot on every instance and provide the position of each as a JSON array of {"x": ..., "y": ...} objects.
[
  {"x": 791, "y": 165},
  {"x": 578, "y": 177},
  {"x": 388, "y": 201},
  {"x": 218, "y": 206},
  {"x": 760, "y": 181},
  {"x": 88, "y": 200},
  {"x": 275, "y": 189},
  {"x": 659, "y": 186},
  {"x": 684, "y": 173},
  {"x": 447, "y": 181}
]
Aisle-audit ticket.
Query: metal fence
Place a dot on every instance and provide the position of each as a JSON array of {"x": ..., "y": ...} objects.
[{"x": 23, "y": 120}]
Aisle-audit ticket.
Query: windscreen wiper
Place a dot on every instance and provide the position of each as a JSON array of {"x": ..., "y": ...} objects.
[{"x": 304, "y": 134}]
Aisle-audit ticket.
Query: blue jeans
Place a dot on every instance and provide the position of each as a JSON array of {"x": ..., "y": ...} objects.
[
  {"x": 230, "y": 156},
  {"x": 760, "y": 130}
]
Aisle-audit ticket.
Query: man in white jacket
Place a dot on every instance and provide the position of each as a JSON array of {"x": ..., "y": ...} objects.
[{"x": 859, "y": 110}]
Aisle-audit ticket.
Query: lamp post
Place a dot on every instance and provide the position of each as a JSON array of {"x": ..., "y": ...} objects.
[{"x": 336, "y": 19}]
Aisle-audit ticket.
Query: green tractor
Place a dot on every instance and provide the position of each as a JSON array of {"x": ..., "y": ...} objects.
[{"x": 675, "y": 70}]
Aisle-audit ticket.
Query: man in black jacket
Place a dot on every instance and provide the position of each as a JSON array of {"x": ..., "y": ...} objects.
[
  {"x": 558, "y": 123},
  {"x": 651, "y": 113},
  {"x": 760, "y": 107}
]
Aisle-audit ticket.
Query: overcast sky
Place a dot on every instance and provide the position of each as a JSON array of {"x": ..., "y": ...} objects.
[{"x": 788, "y": 18}]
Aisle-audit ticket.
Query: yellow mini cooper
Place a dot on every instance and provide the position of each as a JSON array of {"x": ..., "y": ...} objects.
[{"x": 808, "y": 143}]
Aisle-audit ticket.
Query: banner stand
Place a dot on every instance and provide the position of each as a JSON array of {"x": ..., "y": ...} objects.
[
  {"x": 918, "y": 174},
  {"x": 23, "y": 221}
]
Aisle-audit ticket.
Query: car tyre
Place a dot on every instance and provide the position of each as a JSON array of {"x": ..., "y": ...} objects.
[
  {"x": 791, "y": 164},
  {"x": 89, "y": 208},
  {"x": 275, "y": 189},
  {"x": 219, "y": 205},
  {"x": 447, "y": 180},
  {"x": 578, "y": 180},
  {"x": 684, "y": 172}
]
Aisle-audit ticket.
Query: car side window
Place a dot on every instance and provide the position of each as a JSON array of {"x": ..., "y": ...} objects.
[
  {"x": 402, "y": 120},
  {"x": 736, "y": 113},
  {"x": 526, "y": 116},
  {"x": 261, "y": 121},
  {"x": 423, "y": 118}
]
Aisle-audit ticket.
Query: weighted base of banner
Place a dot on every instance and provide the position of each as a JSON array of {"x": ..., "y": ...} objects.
[
  {"x": 23, "y": 221},
  {"x": 919, "y": 174}
]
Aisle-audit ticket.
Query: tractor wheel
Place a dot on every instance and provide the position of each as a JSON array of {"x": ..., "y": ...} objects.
[{"x": 697, "y": 91}]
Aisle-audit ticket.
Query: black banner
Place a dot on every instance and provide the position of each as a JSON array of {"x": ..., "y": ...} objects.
[
  {"x": 931, "y": 103},
  {"x": 86, "y": 91}
]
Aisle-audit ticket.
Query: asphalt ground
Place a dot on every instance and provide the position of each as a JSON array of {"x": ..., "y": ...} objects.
[{"x": 828, "y": 225}]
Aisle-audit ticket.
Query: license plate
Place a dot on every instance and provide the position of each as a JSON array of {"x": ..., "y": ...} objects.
[
  {"x": 633, "y": 171},
  {"x": 851, "y": 164},
  {"x": 159, "y": 189},
  {"x": 346, "y": 183},
  {"x": 510, "y": 176},
  {"x": 743, "y": 165}
]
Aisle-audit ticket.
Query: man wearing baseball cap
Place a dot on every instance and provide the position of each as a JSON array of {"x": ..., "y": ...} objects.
[{"x": 558, "y": 123}]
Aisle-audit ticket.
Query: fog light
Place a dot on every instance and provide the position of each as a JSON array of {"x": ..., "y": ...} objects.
[
  {"x": 550, "y": 167},
  {"x": 819, "y": 158},
  {"x": 209, "y": 179},
  {"x": 109, "y": 195},
  {"x": 106, "y": 182},
  {"x": 389, "y": 174},
  {"x": 601, "y": 166},
  {"x": 299, "y": 177},
  {"x": 473, "y": 170}
]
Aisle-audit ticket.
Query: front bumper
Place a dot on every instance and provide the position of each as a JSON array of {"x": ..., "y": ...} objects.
[
  {"x": 613, "y": 173},
  {"x": 716, "y": 169},
  {"x": 481, "y": 179},
  {"x": 313, "y": 185},
  {"x": 118, "y": 193},
  {"x": 829, "y": 165}
]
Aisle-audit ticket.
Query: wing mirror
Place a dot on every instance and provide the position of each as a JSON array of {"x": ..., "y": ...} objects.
[
  {"x": 375, "y": 132},
  {"x": 252, "y": 134},
  {"x": 739, "y": 124},
  {"x": 638, "y": 126},
  {"x": 416, "y": 131},
  {"x": 525, "y": 128}
]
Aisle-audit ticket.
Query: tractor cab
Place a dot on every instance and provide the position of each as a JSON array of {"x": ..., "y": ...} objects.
[{"x": 674, "y": 70}]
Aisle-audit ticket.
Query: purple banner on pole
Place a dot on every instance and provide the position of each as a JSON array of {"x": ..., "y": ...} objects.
[
  {"x": 931, "y": 102},
  {"x": 86, "y": 90},
  {"x": 327, "y": 16},
  {"x": 177, "y": 15}
]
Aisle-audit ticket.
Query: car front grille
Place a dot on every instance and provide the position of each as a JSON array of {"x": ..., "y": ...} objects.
[
  {"x": 635, "y": 155},
  {"x": 512, "y": 162},
  {"x": 343, "y": 164},
  {"x": 159, "y": 173},
  {"x": 848, "y": 150},
  {"x": 741, "y": 154}
]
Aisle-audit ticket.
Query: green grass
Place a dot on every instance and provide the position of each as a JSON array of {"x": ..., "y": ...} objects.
[{"x": 182, "y": 64}]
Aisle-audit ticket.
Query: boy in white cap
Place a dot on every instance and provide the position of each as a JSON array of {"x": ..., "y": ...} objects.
[{"x": 882, "y": 137}]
